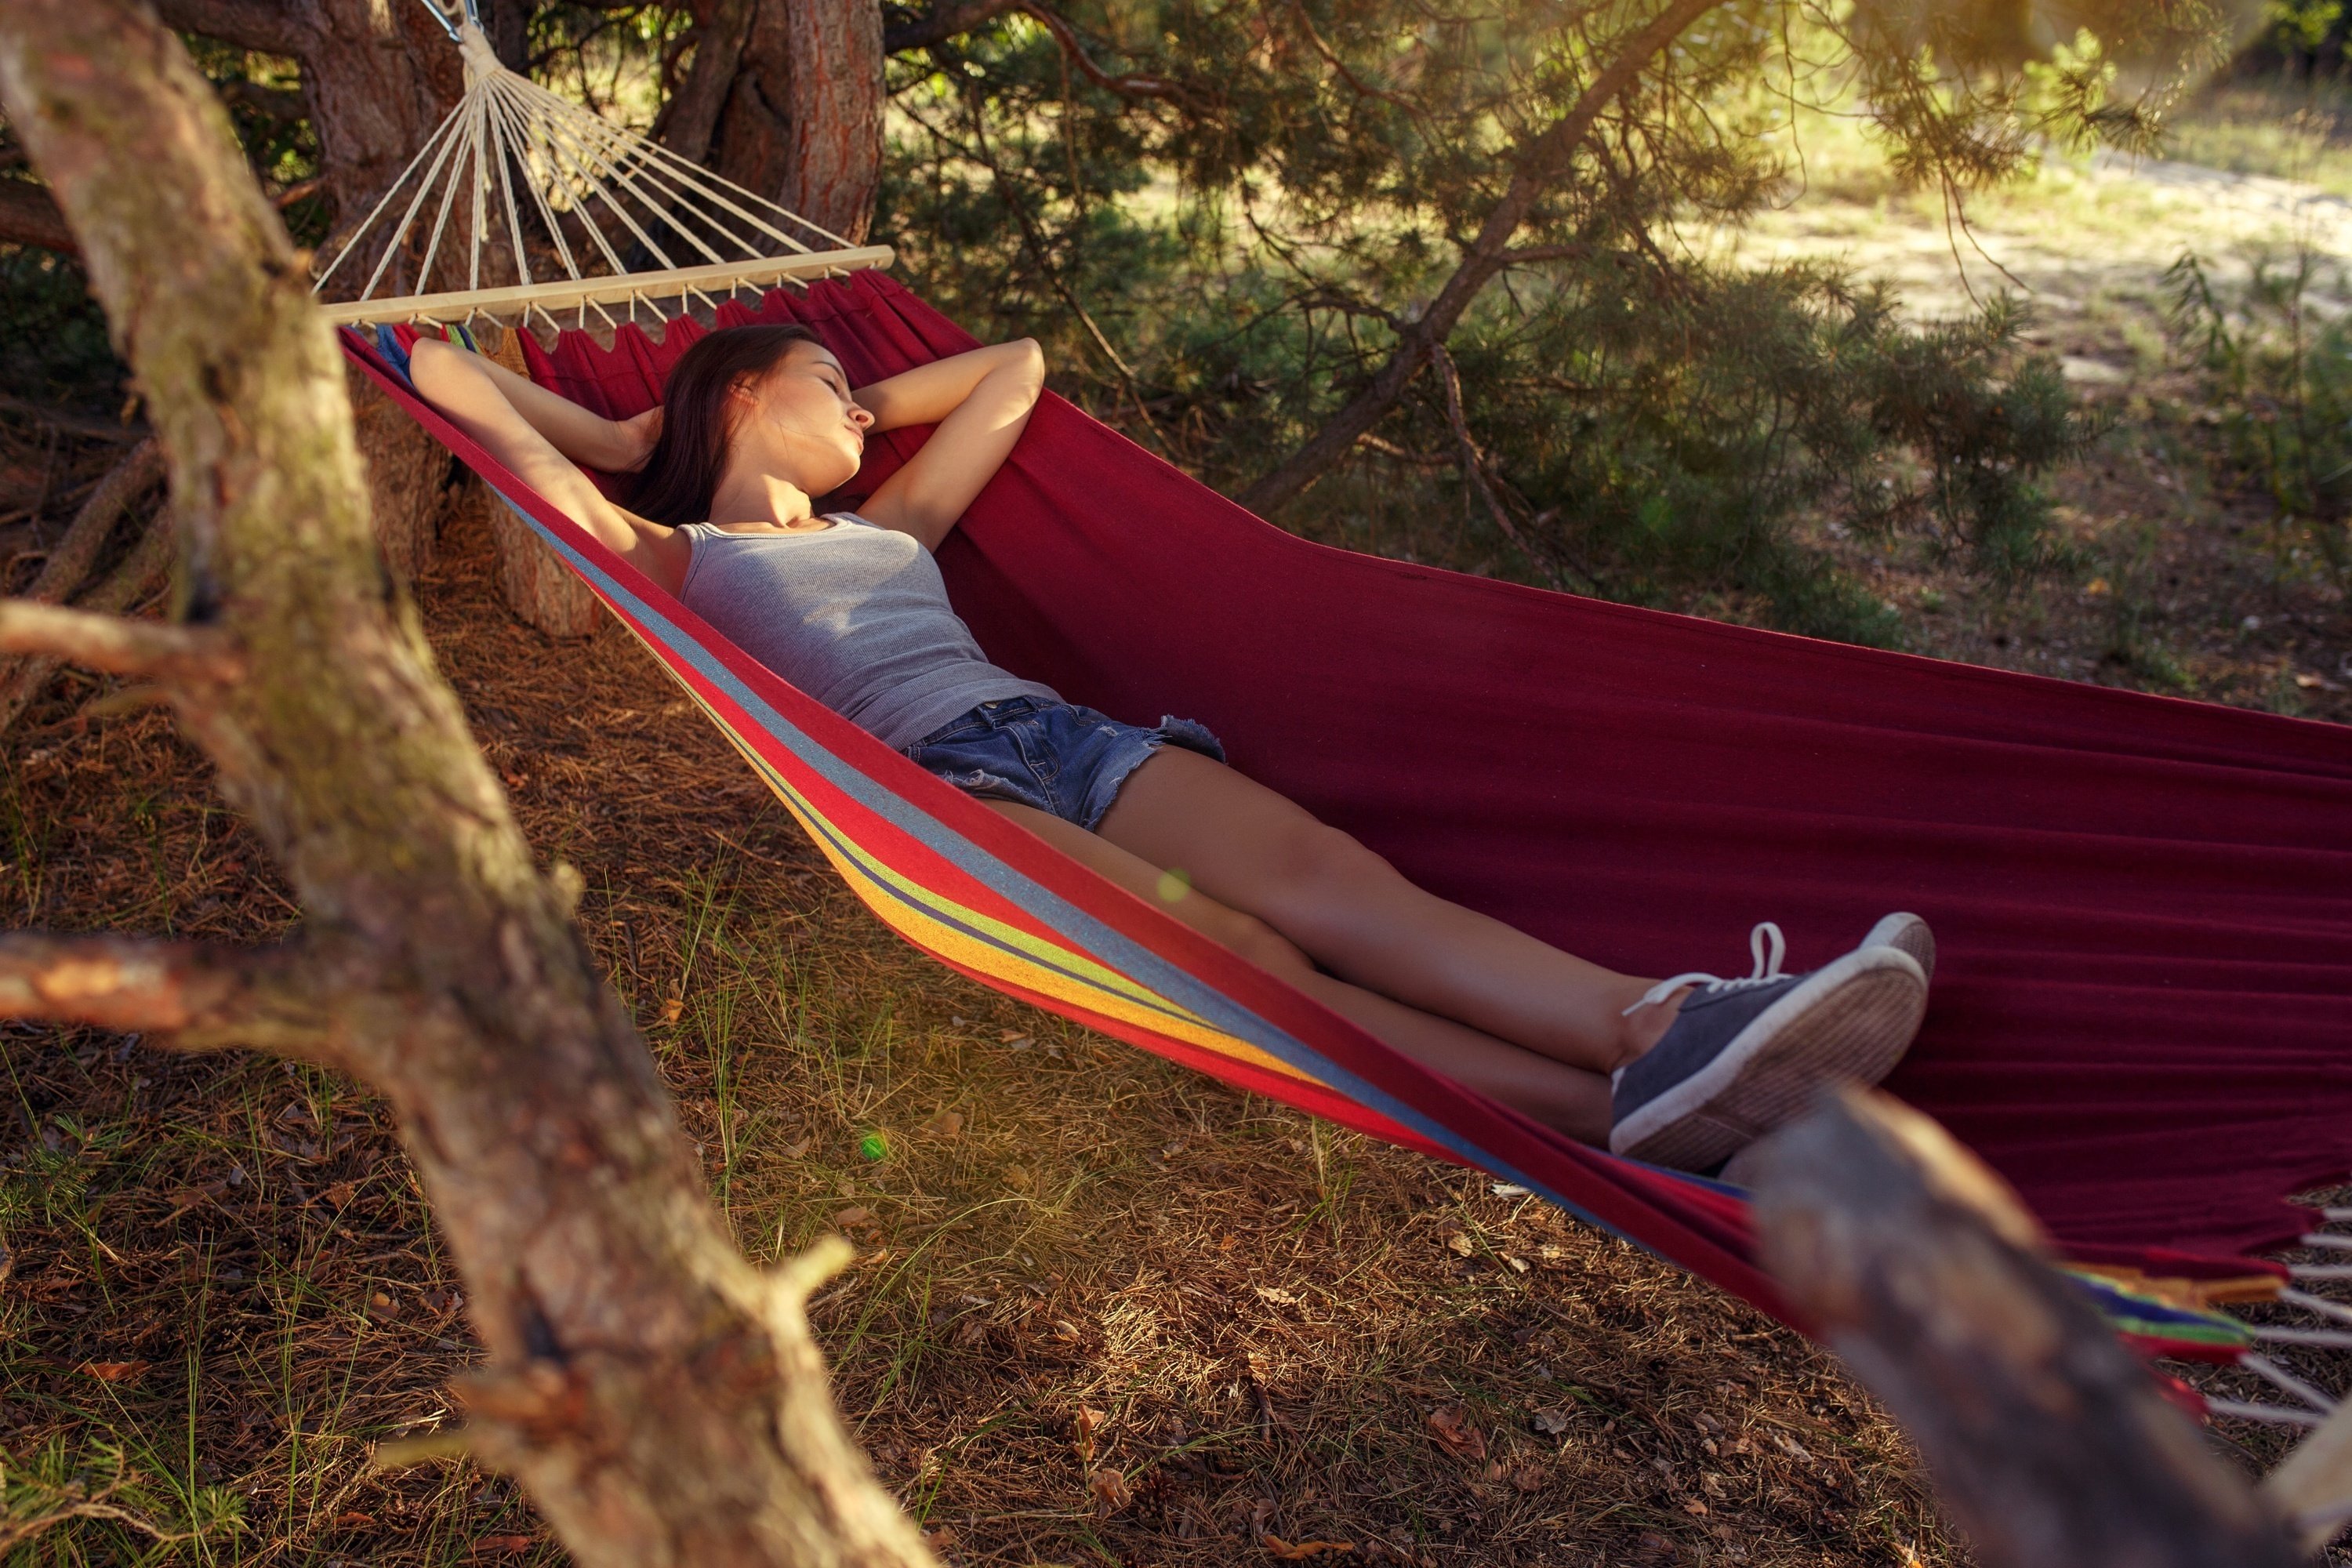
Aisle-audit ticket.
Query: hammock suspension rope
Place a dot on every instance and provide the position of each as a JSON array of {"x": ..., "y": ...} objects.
[{"x": 618, "y": 215}]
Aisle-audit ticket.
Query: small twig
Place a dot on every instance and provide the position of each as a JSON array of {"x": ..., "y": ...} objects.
[
  {"x": 1390, "y": 449},
  {"x": 73, "y": 424},
  {"x": 448, "y": 1443},
  {"x": 1476, "y": 462},
  {"x": 14, "y": 1532},
  {"x": 1331, "y": 58},
  {"x": 189, "y": 655},
  {"x": 1529, "y": 255}
]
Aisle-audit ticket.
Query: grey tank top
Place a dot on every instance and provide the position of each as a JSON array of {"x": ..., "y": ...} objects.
[{"x": 854, "y": 616}]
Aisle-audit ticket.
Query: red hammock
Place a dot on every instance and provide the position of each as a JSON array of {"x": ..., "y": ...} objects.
[{"x": 2143, "y": 1015}]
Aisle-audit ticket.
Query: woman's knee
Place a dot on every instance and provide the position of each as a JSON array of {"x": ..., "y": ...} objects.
[
  {"x": 1322, "y": 865},
  {"x": 1259, "y": 943}
]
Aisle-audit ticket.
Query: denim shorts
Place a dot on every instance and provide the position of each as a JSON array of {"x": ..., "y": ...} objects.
[{"x": 1061, "y": 758}]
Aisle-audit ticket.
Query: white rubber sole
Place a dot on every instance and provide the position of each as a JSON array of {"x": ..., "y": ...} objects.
[
  {"x": 1908, "y": 936},
  {"x": 1850, "y": 1022}
]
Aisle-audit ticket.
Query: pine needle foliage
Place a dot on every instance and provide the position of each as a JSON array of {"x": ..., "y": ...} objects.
[{"x": 1228, "y": 220}]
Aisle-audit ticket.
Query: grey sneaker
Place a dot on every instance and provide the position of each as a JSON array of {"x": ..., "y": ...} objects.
[
  {"x": 1906, "y": 935},
  {"x": 1743, "y": 1056}
]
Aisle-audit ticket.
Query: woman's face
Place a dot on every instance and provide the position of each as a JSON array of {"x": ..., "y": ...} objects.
[{"x": 803, "y": 421}]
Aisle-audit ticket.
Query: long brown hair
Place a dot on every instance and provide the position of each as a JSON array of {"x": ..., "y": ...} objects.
[{"x": 678, "y": 480}]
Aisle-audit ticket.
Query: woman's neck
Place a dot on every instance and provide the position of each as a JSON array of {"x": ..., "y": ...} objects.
[{"x": 750, "y": 499}]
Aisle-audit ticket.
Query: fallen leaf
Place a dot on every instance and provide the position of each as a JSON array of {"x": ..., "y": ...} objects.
[
  {"x": 503, "y": 1546},
  {"x": 1550, "y": 1423},
  {"x": 354, "y": 1520},
  {"x": 1082, "y": 1427},
  {"x": 1450, "y": 1425},
  {"x": 1280, "y": 1297},
  {"x": 672, "y": 1010},
  {"x": 1461, "y": 1243},
  {"x": 1227, "y": 1243},
  {"x": 1110, "y": 1491},
  {"x": 946, "y": 1124},
  {"x": 854, "y": 1215},
  {"x": 795, "y": 1150},
  {"x": 1518, "y": 1265},
  {"x": 943, "y": 1538},
  {"x": 1017, "y": 1178},
  {"x": 341, "y": 1195},
  {"x": 1696, "y": 1507},
  {"x": 1282, "y": 1549},
  {"x": 114, "y": 1370},
  {"x": 1528, "y": 1477}
]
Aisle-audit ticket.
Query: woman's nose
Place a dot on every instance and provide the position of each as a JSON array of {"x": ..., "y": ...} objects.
[{"x": 863, "y": 419}]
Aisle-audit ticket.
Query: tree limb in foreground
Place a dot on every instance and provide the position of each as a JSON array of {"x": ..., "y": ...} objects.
[
  {"x": 197, "y": 655},
  {"x": 206, "y": 995},
  {"x": 1542, "y": 163},
  {"x": 661, "y": 1399},
  {"x": 2049, "y": 1440}
]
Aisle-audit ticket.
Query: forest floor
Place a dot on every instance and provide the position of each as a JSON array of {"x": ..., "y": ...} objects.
[
  {"x": 2183, "y": 581},
  {"x": 222, "y": 1288}
]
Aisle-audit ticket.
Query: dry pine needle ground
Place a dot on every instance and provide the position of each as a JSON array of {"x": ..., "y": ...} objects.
[{"x": 1106, "y": 1310}]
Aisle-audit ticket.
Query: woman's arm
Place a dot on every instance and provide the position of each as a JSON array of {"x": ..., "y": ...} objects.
[
  {"x": 980, "y": 402},
  {"x": 542, "y": 438}
]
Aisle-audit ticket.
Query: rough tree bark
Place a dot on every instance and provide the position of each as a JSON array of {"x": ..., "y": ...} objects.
[
  {"x": 786, "y": 100},
  {"x": 2047, "y": 1439},
  {"x": 661, "y": 1398}
]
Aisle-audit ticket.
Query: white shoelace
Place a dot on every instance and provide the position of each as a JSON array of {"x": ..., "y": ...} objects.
[{"x": 1766, "y": 945}]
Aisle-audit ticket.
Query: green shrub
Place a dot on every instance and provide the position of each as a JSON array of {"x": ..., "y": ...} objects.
[{"x": 2277, "y": 375}]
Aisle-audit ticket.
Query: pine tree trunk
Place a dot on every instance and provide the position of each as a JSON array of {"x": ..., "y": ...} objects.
[
  {"x": 532, "y": 579},
  {"x": 786, "y": 100},
  {"x": 407, "y": 479},
  {"x": 661, "y": 1398}
]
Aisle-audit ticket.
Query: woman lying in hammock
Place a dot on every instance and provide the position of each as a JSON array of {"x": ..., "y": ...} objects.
[{"x": 850, "y": 608}]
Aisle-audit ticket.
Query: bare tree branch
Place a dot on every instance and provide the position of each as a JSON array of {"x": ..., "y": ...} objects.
[
  {"x": 130, "y": 583},
  {"x": 69, "y": 563},
  {"x": 272, "y": 27},
  {"x": 1474, "y": 462},
  {"x": 2048, "y": 1439},
  {"x": 27, "y": 216},
  {"x": 1127, "y": 86},
  {"x": 206, "y": 995},
  {"x": 193, "y": 656},
  {"x": 945, "y": 22},
  {"x": 952, "y": 20},
  {"x": 1542, "y": 163}
]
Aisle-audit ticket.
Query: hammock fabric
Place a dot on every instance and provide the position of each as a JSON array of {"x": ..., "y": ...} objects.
[{"x": 2143, "y": 1017}]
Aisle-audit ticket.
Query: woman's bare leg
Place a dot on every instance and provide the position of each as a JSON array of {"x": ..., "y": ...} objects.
[
  {"x": 1572, "y": 1100},
  {"x": 1351, "y": 913}
]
